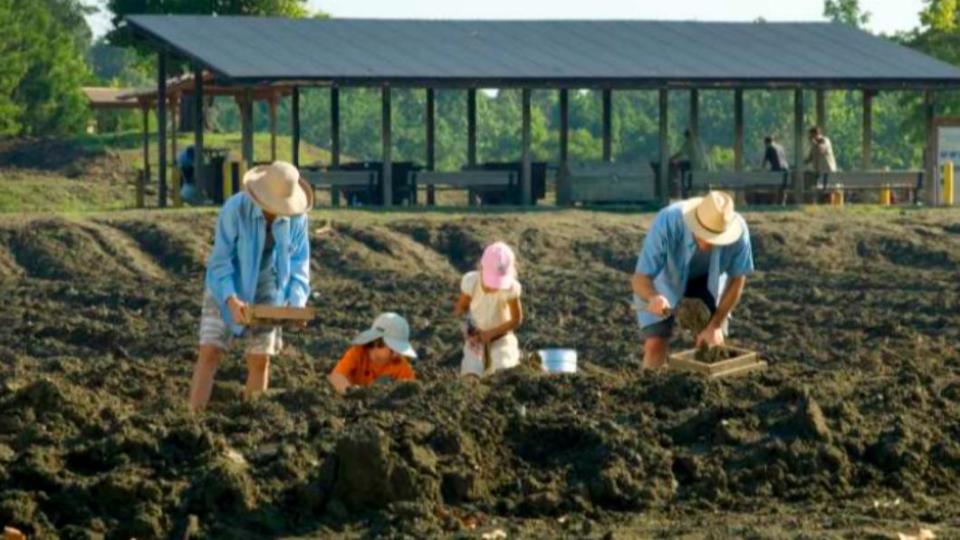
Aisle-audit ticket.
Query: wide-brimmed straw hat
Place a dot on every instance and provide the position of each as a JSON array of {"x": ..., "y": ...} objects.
[
  {"x": 712, "y": 218},
  {"x": 278, "y": 189},
  {"x": 393, "y": 330}
]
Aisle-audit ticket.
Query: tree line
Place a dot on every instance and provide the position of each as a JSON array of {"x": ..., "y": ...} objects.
[{"x": 49, "y": 54}]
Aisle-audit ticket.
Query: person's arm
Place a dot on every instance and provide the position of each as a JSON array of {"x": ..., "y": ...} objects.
[
  {"x": 712, "y": 335},
  {"x": 652, "y": 259},
  {"x": 220, "y": 264},
  {"x": 339, "y": 382},
  {"x": 516, "y": 319},
  {"x": 339, "y": 378},
  {"x": 298, "y": 291},
  {"x": 741, "y": 265},
  {"x": 463, "y": 305}
]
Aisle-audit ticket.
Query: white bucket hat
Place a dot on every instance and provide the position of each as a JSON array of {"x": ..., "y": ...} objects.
[
  {"x": 712, "y": 218},
  {"x": 393, "y": 330},
  {"x": 278, "y": 189}
]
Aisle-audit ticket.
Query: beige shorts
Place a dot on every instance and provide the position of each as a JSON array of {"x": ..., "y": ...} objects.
[
  {"x": 267, "y": 340},
  {"x": 504, "y": 354}
]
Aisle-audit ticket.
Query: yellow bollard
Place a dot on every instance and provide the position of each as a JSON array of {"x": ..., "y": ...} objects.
[
  {"x": 948, "y": 183},
  {"x": 227, "y": 179},
  {"x": 836, "y": 196},
  {"x": 886, "y": 196},
  {"x": 176, "y": 180}
]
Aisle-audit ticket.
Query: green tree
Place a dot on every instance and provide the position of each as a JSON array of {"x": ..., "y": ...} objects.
[
  {"x": 846, "y": 12},
  {"x": 121, "y": 8},
  {"x": 40, "y": 85}
]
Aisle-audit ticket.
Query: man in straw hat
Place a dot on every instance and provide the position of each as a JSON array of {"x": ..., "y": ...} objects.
[
  {"x": 697, "y": 248},
  {"x": 261, "y": 255}
]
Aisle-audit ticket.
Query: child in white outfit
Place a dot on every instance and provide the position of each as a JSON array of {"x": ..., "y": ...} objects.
[{"x": 490, "y": 296}]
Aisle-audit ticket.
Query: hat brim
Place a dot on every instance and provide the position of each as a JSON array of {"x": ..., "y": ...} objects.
[
  {"x": 727, "y": 237},
  {"x": 299, "y": 202},
  {"x": 403, "y": 348}
]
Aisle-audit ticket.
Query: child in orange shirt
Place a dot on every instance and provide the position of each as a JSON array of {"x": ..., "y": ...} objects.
[{"x": 380, "y": 352}]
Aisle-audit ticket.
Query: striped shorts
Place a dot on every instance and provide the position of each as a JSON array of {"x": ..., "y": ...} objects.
[{"x": 265, "y": 340}]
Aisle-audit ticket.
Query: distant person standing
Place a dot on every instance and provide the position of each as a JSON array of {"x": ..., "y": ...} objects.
[
  {"x": 821, "y": 152},
  {"x": 189, "y": 192},
  {"x": 774, "y": 156}
]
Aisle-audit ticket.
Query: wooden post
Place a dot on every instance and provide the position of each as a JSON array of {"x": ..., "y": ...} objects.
[
  {"x": 174, "y": 157},
  {"x": 932, "y": 177},
  {"x": 663, "y": 191},
  {"x": 738, "y": 129},
  {"x": 334, "y": 127},
  {"x": 798, "y": 157},
  {"x": 822, "y": 110},
  {"x": 472, "y": 127},
  {"x": 295, "y": 126},
  {"x": 272, "y": 110},
  {"x": 162, "y": 129},
  {"x": 526, "y": 182},
  {"x": 563, "y": 187},
  {"x": 607, "y": 102},
  {"x": 431, "y": 144},
  {"x": 246, "y": 126},
  {"x": 866, "y": 142},
  {"x": 694, "y": 121},
  {"x": 199, "y": 165},
  {"x": 145, "y": 176},
  {"x": 387, "y": 148}
]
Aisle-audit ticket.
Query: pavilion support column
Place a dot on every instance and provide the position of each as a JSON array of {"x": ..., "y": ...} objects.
[
  {"x": 334, "y": 127},
  {"x": 472, "y": 127},
  {"x": 526, "y": 181},
  {"x": 386, "y": 142},
  {"x": 430, "y": 117},
  {"x": 295, "y": 126},
  {"x": 866, "y": 140},
  {"x": 162, "y": 130},
  {"x": 272, "y": 109},
  {"x": 694, "y": 123},
  {"x": 663, "y": 192},
  {"x": 563, "y": 189},
  {"x": 245, "y": 102},
  {"x": 145, "y": 177},
  {"x": 199, "y": 166},
  {"x": 607, "y": 125},
  {"x": 931, "y": 175},
  {"x": 822, "y": 109},
  {"x": 174, "y": 129},
  {"x": 738, "y": 129},
  {"x": 798, "y": 157}
]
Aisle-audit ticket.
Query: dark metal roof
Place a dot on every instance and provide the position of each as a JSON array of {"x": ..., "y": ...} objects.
[{"x": 541, "y": 53}]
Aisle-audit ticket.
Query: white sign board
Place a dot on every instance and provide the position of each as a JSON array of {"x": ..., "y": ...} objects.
[{"x": 948, "y": 149}]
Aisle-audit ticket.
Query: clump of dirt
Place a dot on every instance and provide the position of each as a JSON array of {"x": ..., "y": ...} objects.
[{"x": 859, "y": 405}]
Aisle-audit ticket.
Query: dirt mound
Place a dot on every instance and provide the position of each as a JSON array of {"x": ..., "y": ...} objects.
[
  {"x": 858, "y": 407},
  {"x": 65, "y": 156}
]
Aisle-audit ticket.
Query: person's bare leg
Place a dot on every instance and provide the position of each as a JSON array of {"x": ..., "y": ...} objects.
[
  {"x": 655, "y": 352},
  {"x": 208, "y": 359},
  {"x": 258, "y": 374}
]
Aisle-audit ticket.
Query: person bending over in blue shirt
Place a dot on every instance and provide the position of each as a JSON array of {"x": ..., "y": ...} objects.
[
  {"x": 697, "y": 248},
  {"x": 261, "y": 255}
]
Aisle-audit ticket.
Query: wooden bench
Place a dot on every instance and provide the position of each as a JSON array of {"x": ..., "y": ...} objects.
[
  {"x": 738, "y": 182},
  {"x": 337, "y": 181},
  {"x": 473, "y": 181},
  {"x": 610, "y": 183},
  {"x": 909, "y": 181}
]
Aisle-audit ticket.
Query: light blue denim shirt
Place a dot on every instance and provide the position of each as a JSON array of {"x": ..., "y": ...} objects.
[
  {"x": 667, "y": 250},
  {"x": 234, "y": 263}
]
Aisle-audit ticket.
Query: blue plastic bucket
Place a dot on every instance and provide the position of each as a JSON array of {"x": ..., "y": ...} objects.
[{"x": 558, "y": 360}]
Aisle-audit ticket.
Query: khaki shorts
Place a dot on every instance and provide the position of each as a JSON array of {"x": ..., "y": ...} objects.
[{"x": 267, "y": 340}]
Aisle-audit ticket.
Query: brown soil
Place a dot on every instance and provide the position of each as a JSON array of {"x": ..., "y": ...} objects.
[{"x": 852, "y": 432}]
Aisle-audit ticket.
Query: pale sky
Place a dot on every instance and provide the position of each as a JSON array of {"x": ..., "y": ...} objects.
[{"x": 888, "y": 16}]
